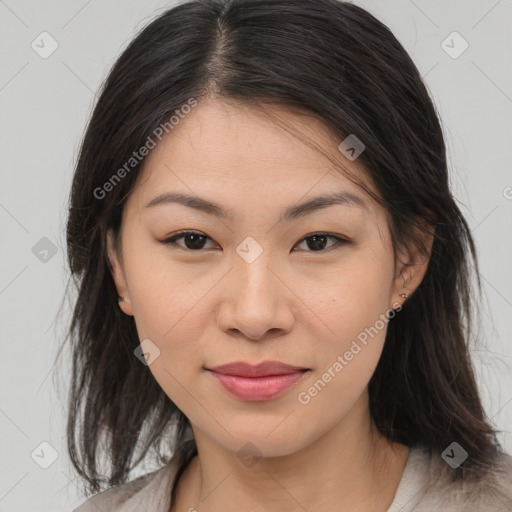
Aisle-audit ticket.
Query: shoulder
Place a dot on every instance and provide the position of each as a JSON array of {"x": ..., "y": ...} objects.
[
  {"x": 491, "y": 492},
  {"x": 120, "y": 497},
  {"x": 151, "y": 491}
]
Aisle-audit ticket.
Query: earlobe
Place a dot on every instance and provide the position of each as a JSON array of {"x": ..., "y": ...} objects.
[
  {"x": 413, "y": 264},
  {"x": 118, "y": 275}
]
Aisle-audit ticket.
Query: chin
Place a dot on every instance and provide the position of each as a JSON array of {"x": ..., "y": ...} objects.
[{"x": 254, "y": 445}]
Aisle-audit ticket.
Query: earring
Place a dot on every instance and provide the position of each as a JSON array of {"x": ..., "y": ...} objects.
[
  {"x": 404, "y": 295},
  {"x": 120, "y": 299}
]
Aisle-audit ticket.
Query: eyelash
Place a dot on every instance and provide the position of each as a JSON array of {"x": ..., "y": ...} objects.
[{"x": 339, "y": 240}]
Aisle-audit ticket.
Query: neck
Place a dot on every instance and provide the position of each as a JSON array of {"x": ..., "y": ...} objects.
[{"x": 351, "y": 467}]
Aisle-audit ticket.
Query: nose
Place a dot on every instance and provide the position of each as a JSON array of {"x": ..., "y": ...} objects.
[{"x": 256, "y": 301}]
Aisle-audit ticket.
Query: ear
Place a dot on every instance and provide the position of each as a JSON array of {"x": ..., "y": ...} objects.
[
  {"x": 118, "y": 275},
  {"x": 412, "y": 264}
]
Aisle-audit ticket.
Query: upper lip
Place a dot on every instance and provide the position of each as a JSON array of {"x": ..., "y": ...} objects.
[{"x": 243, "y": 369}]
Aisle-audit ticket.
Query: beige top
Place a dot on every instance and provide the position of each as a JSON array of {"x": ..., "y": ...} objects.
[{"x": 424, "y": 487}]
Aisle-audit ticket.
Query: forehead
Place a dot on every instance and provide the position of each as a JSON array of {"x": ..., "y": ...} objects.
[{"x": 233, "y": 150}]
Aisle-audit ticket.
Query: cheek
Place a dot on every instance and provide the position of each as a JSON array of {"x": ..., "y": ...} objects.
[
  {"x": 353, "y": 315},
  {"x": 346, "y": 359},
  {"x": 350, "y": 298},
  {"x": 168, "y": 308},
  {"x": 165, "y": 295}
]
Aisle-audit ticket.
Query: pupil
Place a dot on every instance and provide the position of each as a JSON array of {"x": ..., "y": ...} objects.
[
  {"x": 315, "y": 245},
  {"x": 197, "y": 243},
  {"x": 315, "y": 242}
]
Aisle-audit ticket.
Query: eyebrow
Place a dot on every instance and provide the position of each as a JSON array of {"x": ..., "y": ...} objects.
[{"x": 292, "y": 212}]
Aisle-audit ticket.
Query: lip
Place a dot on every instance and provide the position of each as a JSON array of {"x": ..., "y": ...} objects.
[
  {"x": 264, "y": 369},
  {"x": 258, "y": 383}
]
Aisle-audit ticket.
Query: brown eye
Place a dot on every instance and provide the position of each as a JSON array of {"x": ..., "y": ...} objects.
[
  {"x": 317, "y": 242},
  {"x": 192, "y": 241}
]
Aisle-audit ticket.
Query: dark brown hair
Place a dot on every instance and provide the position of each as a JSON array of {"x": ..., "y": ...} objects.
[{"x": 336, "y": 61}]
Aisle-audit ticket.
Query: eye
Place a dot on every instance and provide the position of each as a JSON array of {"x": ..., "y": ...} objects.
[
  {"x": 317, "y": 241},
  {"x": 194, "y": 241}
]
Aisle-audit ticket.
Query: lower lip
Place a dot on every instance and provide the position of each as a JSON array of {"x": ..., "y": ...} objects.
[{"x": 257, "y": 389}]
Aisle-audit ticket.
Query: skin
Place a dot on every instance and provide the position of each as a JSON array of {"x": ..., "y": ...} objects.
[{"x": 208, "y": 306}]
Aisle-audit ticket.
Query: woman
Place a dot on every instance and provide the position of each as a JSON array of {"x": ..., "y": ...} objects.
[{"x": 273, "y": 275}]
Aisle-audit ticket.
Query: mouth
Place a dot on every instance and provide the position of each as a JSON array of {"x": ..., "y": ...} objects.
[{"x": 258, "y": 383}]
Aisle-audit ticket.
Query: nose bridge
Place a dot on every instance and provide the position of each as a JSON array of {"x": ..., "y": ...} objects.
[
  {"x": 256, "y": 300},
  {"x": 255, "y": 280}
]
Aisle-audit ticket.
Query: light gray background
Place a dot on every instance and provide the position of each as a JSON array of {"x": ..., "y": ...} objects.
[{"x": 44, "y": 107}]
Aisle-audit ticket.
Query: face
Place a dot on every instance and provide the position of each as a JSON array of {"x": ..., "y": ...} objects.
[{"x": 310, "y": 287}]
